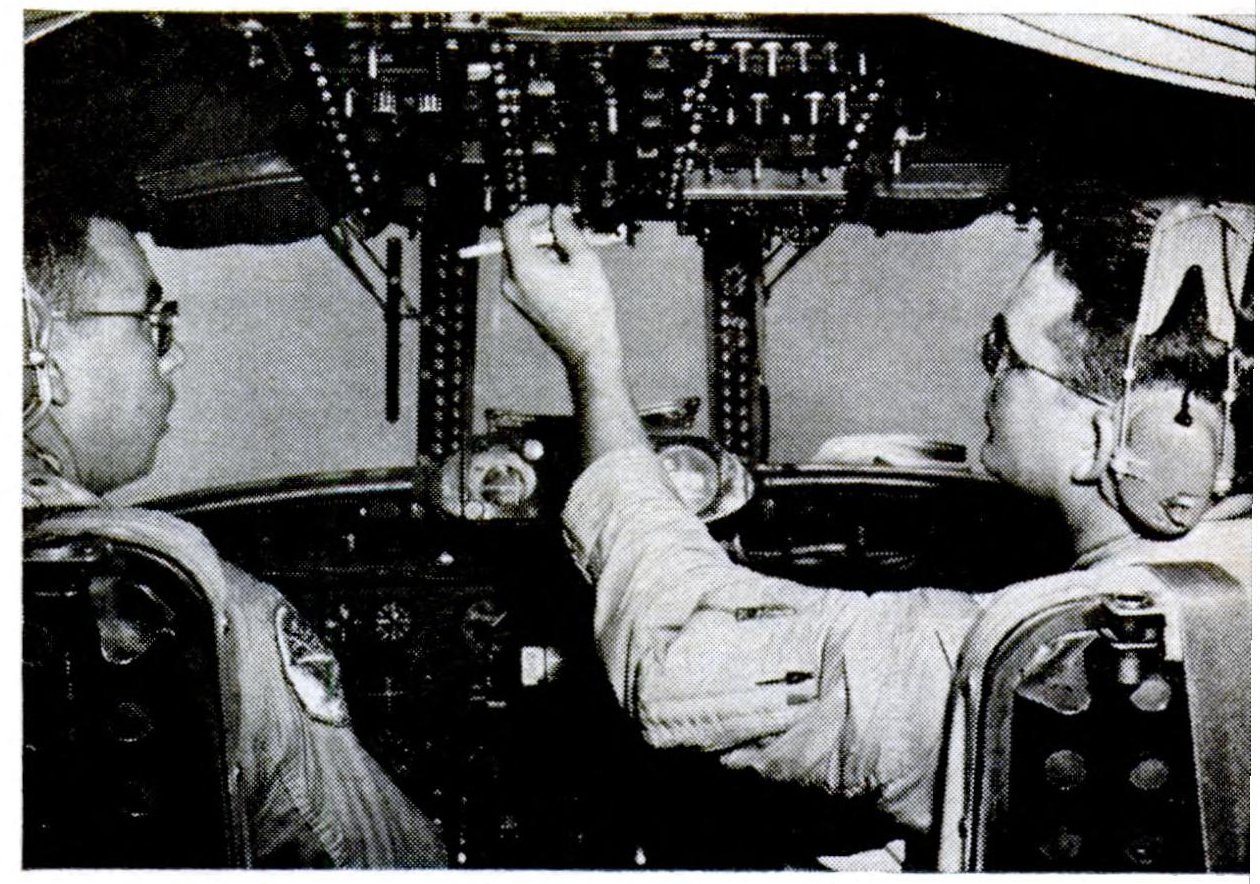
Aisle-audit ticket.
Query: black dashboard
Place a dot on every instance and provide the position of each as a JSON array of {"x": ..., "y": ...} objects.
[{"x": 470, "y": 668}]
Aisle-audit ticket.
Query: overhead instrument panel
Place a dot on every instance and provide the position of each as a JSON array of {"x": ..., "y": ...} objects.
[{"x": 628, "y": 123}]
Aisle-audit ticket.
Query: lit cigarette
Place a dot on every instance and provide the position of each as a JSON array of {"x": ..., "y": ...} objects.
[{"x": 542, "y": 238}]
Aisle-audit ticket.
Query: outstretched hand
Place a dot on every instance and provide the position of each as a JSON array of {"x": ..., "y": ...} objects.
[{"x": 560, "y": 288}]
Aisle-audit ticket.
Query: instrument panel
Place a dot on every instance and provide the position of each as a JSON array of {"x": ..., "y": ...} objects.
[
  {"x": 371, "y": 118},
  {"x": 629, "y": 124},
  {"x": 468, "y": 662},
  {"x": 518, "y": 474},
  {"x": 890, "y": 120}
]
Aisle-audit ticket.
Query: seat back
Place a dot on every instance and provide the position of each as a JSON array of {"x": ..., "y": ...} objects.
[
  {"x": 124, "y": 759},
  {"x": 1098, "y": 731}
]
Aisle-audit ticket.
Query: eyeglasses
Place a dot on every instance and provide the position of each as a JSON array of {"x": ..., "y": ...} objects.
[
  {"x": 160, "y": 318},
  {"x": 998, "y": 354}
]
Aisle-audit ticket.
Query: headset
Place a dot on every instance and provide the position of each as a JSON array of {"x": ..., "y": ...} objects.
[
  {"x": 37, "y": 382},
  {"x": 1169, "y": 464}
]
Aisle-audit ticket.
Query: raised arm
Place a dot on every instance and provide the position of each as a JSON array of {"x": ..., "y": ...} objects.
[
  {"x": 801, "y": 684},
  {"x": 562, "y": 290}
]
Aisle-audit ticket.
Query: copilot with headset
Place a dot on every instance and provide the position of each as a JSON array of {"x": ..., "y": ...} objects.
[{"x": 1114, "y": 372}]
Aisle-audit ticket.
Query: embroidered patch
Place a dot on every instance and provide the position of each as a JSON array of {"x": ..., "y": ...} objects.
[{"x": 310, "y": 669}]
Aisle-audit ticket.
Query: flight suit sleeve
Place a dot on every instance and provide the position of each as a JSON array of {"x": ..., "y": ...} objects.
[
  {"x": 315, "y": 798},
  {"x": 826, "y": 688}
]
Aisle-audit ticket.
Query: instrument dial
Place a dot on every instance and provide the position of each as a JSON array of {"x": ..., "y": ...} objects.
[
  {"x": 496, "y": 483},
  {"x": 693, "y": 474},
  {"x": 392, "y": 621},
  {"x": 483, "y": 626}
]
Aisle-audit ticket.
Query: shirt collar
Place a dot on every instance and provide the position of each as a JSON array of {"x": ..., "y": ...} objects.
[
  {"x": 1132, "y": 547},
  {"x": 43, "y": 486}
]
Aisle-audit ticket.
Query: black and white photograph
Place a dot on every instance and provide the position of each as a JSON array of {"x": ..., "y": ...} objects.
[{"x": 614, "y": 441}]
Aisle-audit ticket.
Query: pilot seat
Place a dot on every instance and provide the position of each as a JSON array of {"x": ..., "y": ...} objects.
[
  {"x": 1103, "y": 731},
  {"x": 125, "y": 715}
]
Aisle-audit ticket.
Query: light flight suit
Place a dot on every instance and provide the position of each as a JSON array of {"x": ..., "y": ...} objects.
[{"x": 832, "y": 689}]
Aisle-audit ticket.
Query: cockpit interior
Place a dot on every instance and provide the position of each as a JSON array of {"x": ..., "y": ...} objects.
[{"x": 808, "y": 221}]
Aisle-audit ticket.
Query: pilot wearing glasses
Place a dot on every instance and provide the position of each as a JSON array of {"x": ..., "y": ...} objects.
[
  {"x": 100, "y": 354},
  {"x": 840, "y": 690}
]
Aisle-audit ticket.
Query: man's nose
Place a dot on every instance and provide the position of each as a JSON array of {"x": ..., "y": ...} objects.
[{"x": 171, "y": 360}]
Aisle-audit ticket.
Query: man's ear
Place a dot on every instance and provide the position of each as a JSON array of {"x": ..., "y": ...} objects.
[{"x": 1093, "y": 464}]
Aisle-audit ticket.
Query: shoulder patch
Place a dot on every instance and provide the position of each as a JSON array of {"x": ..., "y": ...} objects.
[{"x": 310, "y": 669}]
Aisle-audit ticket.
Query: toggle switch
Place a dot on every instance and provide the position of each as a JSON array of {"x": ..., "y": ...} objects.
[
  {"x": 815, "y": 99},
  {"x": 829, "y": 49},
  {"x": 758, "y": 99},
  {"x": 772, "y": 50},
  {"x": 842, "y": 107},
  {"x": 801, "y": 48}
]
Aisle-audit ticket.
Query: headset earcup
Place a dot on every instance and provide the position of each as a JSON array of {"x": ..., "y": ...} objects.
[{"x": 1166, "y": 469}]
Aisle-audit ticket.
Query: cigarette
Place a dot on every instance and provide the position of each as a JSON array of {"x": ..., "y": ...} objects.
[{"x": 542, "y": 238}]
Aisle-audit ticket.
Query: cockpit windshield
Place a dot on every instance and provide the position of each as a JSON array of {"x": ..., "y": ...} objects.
[{"x": 275, "y": 399}]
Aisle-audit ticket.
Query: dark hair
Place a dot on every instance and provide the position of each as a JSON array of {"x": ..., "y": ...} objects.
[
  {"x": 1098, "y": 239},
  {"x": 55, "y": 245}
]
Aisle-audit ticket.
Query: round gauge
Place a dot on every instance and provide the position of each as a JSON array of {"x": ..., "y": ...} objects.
[
  {"x": 337, "y": 625},
  {"x": 496, "y": 480},
  {"x": 482, "y": 626},
  {"x": 392, "y": 621},
  {"x": 693, "y": 473}
]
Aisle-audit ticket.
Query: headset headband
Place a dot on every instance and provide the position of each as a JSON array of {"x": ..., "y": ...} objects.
[{"x": 1218, "y": 239}]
